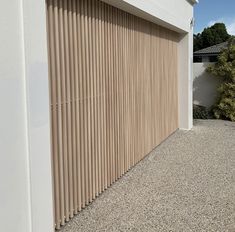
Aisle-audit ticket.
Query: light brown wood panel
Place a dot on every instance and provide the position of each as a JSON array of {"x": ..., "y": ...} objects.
[{"x": 113, "y": 88}]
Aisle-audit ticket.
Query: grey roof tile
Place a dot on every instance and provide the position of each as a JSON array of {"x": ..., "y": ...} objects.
[{"x": 215, "y": 49}]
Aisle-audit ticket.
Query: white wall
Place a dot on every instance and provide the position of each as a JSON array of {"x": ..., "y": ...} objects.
[
  {"x": 14, "y": 171},
  {"x": 25, "y": 160},
  {"x": 204, "y": 85},
  {"x": 185, "y": 81}
]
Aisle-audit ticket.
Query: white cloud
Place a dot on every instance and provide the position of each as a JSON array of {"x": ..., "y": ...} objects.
[
  {"x": 212, "y": 22},
  {"x": 231, "y": 27},
  {"x": 230, "y": 24}
]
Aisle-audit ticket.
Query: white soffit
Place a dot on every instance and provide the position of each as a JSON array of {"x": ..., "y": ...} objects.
[{"x": 159, "y": 16}]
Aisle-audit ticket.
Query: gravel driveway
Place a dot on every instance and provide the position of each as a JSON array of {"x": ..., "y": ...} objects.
[{"x": 186, "y": 184}]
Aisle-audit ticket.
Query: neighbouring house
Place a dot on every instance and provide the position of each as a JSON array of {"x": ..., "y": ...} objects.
[
  {"x": 205, "y": 84},
  {"x": 87, "y": 89},
  {"x": 210, "y": 54}
]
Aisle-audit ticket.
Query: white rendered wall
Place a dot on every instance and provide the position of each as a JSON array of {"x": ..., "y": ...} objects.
[
  {"x": 25, "y": 160},
  {"x": 185, "y": 81},
  {"x": 38, "y": 114},
  {"x": 204, "y": 85},
  {"x": 14, "y": 171}
]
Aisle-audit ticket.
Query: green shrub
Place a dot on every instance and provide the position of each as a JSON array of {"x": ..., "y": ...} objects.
[
  {"x": 225, "y": 70},
  {"x": 201, "y": 112}
]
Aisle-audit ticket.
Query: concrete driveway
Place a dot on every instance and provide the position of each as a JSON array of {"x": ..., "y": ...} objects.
[{"x": 186, "y": 184}]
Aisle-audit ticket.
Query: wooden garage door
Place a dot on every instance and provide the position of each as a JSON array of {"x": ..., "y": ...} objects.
[{"x": 113, "y": 85}]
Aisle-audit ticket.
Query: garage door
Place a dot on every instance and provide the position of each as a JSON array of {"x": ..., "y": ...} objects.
[{"x": 113, "y": 86}]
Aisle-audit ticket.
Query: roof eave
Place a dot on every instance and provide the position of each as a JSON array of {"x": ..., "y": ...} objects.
[{"x": 194, "y": 1}]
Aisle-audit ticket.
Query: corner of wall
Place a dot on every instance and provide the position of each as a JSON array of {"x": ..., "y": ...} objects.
[{"x": 185, "y": 80}]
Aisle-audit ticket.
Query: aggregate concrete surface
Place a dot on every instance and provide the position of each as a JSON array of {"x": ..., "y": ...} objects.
[{"x": 186, "y": 184}]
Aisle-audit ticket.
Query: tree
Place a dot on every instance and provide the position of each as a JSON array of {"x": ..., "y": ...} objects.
[
  {"x": 211, "y": 36},
  {"x": 225, "y": 70},
  {"x": 197, "y": 42}
]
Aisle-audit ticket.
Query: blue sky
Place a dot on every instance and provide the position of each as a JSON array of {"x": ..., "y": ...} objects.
[{"x": 208, "y": 12}]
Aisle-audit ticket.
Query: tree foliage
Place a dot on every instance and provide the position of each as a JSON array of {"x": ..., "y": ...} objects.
[
  {"x": 225, "y": 70},
  {"x": 211, "y": 36}
]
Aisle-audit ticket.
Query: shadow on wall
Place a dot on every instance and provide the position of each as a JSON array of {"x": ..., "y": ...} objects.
[{"x": 204, "y": 85}]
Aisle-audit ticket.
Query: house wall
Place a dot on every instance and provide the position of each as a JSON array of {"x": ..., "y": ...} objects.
[
  {"x": 204, "y": 85},
  {"x": 25, "y": 159},
  {"x": 25, "y": 165},
  {"x": 14, "y": 190},
  {"x": 205, "y": 59}
]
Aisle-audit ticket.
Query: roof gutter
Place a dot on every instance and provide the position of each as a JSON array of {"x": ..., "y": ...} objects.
[{"x": 205, "y": 54}]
